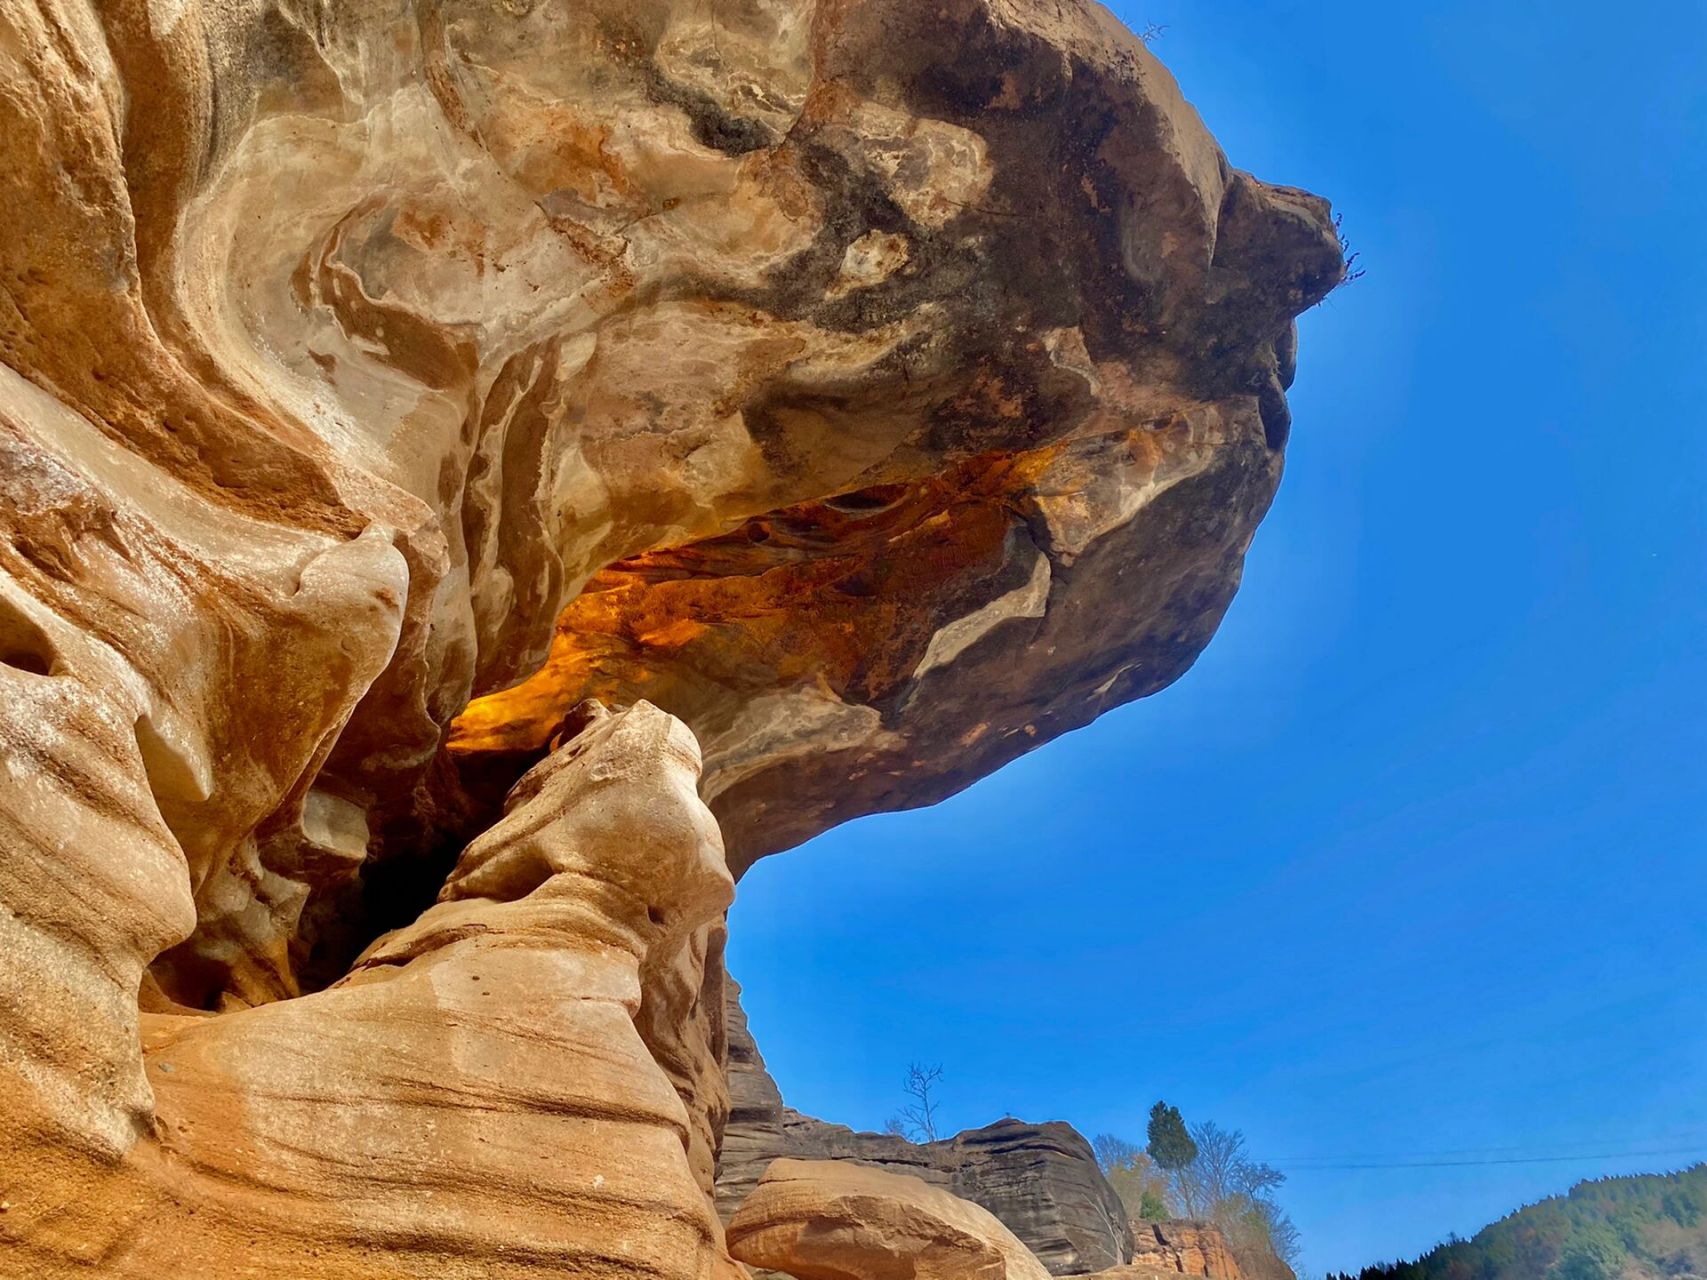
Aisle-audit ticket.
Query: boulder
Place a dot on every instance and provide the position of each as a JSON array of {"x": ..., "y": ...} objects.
[{"x": 830, "y": 1220}]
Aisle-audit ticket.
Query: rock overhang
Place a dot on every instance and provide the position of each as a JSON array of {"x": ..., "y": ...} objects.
[{"x": 878, "y": 389}]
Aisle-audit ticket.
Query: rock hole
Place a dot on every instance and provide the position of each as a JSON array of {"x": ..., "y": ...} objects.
[
  {"x": 867, "y": 501},
  {"x": 408, "y": 861},
  {"x": 23, "y": 645}
]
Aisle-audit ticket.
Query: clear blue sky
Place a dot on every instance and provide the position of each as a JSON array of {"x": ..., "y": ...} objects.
[{"x": 1415, "y": 859}]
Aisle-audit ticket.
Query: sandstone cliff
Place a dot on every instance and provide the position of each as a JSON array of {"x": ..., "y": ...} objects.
[
  {"x": 853, "y": 395},
  {"x": 1183, "y": 1247}
]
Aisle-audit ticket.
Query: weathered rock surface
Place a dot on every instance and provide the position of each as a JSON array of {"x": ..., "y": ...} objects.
[
  {"x": 1187, "y": 1247},
  {"x": 755, "y": 1133},
  {"x": 829, "y": 1220},
  {"x": 484, "y": 1094},
  {"x": 880, "y": 389},
  {"x": 1181, "y": 1246},
  {"x": 1040, "y": 1180},
  {"x": 1055, "y": 439}
]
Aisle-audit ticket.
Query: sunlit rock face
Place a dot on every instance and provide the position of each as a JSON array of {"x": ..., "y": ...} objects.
[
  {"x": 884, "y": 649},
  {"x": 878, "y": 389},
  {"x": 828, "y": 1220},
  {"x": 1187, "y": 1248},
  {"x": 526, "y": 1081},
  {"x": 1035, "y": 491}
]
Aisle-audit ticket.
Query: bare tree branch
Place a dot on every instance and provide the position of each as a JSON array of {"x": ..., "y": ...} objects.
[{"x": 917, "y": 1120}]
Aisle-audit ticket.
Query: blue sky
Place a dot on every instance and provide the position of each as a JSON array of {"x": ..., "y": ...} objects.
[{"x": 1414, "y": 861}]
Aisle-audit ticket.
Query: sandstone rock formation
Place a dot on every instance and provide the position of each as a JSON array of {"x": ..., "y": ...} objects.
[
  {"x": 879, "y": 389},
  {"x": 1041, "y": 1181},
  {"x": 486, "y": 1093},
  {"x": 1183, "y": 1247},
  {"x": 830, "y": 1220}
]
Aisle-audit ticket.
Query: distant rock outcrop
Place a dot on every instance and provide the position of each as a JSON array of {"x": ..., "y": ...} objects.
[
  {"x": 830, "y": 1220},
  {"x": 1041, "y": 1180},
  {"x": 1181, "y": 1246}
]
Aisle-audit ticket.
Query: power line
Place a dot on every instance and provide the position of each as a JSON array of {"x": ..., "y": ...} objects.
[
  {"x": 1303, "y": 1165},
  {"x": 1588, "y": 1146},
  {"x": 1696, "y": 1134}
]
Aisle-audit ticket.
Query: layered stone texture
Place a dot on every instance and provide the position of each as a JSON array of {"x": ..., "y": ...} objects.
[
  {"x": 1183, "y": 1247},
  {"x": 878, "y": 389},
  {"x": 1055, "y": 411},
  {"x": 829, "y": 1220},
  {"x": 886, "y": 648},
  {"x": 524, "y": 1082},
  {"x": 1041, "y": 1181}
]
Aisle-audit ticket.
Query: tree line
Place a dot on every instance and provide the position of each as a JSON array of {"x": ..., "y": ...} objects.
[
  {"x": 1651, "y": 1227},
  {"x": 1204, "y": 1172}
]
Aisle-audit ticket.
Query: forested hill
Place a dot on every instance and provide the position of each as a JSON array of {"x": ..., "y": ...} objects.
[{"x": 1652, "y": 1227}]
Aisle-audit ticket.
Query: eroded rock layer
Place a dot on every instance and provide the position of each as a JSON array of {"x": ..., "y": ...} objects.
[
  {"x": 885, "y": 648},
  {"x": 879, "y": 389},
  {"x": 484, "y": 1094},
  {"x": 1181, "y": 1246}
]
